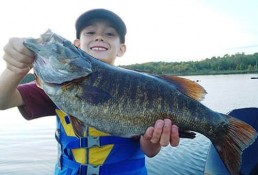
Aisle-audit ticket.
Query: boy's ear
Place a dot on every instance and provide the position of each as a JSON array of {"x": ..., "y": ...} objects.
[
  {"x": 77, "y": 43},
  {"x": 122, "y": 50}
]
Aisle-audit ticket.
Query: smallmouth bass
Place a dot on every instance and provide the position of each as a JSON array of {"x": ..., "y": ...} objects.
[{"x": 125, "y": 103}]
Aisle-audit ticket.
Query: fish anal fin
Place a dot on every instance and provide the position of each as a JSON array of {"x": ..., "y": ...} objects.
[
  {"x": 187, "y": 134},
  {"x": 188, "y": 87},
  {"x": 238, "y": 136}
]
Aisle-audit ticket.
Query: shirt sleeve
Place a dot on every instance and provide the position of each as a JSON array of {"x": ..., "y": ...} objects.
[{"x": 36, "y": 102}]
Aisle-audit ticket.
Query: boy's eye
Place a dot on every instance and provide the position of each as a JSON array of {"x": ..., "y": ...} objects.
[
  {"x": 110, "y": 34},
  {"x": 90, "y": 33},
  {"x": 87, "y": 33}
]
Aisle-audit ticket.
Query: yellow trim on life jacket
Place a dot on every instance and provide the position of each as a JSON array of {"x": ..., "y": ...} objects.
[
  {"x": 79, "y": 154},
  {"x": 67, "y": 127},
  {"x": 97, "y": 155}
]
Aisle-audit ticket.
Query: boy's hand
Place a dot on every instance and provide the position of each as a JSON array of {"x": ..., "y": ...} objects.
[
  {"x": 17, "y": 57},
  {"x": 162, "y": 134}
]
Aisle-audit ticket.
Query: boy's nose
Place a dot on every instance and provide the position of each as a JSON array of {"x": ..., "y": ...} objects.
[{"x": 99, "y": 38}]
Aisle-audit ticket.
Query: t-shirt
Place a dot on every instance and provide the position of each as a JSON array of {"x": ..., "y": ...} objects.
[{"x": 37, "y": 103}]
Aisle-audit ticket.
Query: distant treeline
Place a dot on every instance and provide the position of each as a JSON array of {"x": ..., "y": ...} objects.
[{"x": 228, "y": 64}]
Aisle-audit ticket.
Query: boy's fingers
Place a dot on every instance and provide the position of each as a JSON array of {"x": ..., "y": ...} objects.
[
  {"x": 148, "y": 134},
  {"x": 174, "y": 137},
  {"x": 157, "y": 131},
  {"x": 165, "y": 136}
]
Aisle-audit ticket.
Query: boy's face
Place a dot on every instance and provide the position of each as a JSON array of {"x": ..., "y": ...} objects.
[{"x": 101, "y": 41}]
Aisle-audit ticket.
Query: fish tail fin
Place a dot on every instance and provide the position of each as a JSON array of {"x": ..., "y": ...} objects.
[{"x": 238, "y": 137}]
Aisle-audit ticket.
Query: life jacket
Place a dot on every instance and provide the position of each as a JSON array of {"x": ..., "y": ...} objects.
[{"x": 97, "y": 153}]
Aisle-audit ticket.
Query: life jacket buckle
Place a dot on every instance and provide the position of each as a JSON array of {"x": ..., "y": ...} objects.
[
  {"x": 93, "y": 170},
  {"x": 89, "y": 169},
  {"x": 91, "y": 142}
]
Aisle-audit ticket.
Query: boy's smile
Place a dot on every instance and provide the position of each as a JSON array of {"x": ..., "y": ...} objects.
[{"x": 98, "y": 48}]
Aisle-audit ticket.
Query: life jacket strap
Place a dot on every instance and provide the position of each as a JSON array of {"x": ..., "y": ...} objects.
[
  {"x": 107, "y": 169},
  {"x": 90, "y": 141}
]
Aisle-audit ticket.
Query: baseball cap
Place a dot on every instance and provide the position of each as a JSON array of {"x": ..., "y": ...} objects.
[{"x": 116, "y": 22}]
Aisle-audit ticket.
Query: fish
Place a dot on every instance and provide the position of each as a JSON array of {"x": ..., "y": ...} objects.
[{"x": 125, "y": 102}]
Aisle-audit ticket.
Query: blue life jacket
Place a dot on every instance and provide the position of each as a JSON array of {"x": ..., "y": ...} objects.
[{"x": 96, "y": 153}]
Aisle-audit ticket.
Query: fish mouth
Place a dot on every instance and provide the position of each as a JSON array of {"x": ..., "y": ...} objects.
[
  {"x": 57, "y": 60},
  {"x": 32, "y": 45}
]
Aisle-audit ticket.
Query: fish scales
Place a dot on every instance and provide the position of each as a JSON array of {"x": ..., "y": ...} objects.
[{"x": 125, "y": 103}]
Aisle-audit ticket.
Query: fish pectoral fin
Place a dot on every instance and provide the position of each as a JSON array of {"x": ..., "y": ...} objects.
[
  {"x": 187, "y": 134},
  {"x": 94, "y": 95},
  {"x": 187, "y": 87},
  {"x": 78, "y": 126}
]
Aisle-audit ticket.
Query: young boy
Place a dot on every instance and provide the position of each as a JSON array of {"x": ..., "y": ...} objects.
[{"x": 100, "y": 33}]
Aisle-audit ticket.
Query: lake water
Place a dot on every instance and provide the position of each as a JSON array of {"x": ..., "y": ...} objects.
[{"x": 29, "y": 147}]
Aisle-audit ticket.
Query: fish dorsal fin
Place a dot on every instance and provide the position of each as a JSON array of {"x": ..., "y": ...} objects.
[{"x": 188, "y": 87}]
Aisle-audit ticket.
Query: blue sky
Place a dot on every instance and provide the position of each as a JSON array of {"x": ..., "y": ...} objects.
[{"x": 165, "y": 30}]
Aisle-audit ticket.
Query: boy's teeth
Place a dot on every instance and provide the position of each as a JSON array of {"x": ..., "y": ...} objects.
[{"x": 98, "y": 48}]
